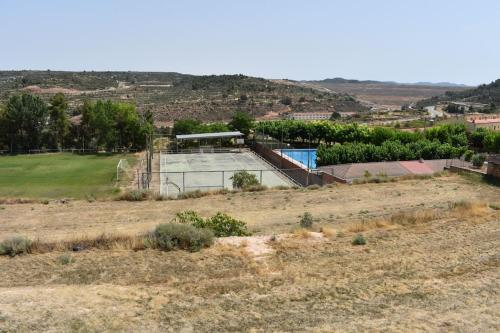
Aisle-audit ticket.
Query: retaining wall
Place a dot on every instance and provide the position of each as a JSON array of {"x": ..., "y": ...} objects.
[{"x": 300, "y": 175}]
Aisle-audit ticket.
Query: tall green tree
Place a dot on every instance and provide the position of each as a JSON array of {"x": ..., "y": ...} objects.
[
  {"x": 24, "y": 119},
  {"x": 243, "y": 122},
  {"x": 58, "y": 119}
]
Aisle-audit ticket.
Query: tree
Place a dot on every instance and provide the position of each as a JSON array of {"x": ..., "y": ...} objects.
[
  {"x": 335, "y": 115},
  {"x": 24, "y": 119},
  {"x": 286, "y": 100},
  {"x": 58, "y": 119},
  {"x": 242, "y": 122},
  {"x": 185, "y": 126}
]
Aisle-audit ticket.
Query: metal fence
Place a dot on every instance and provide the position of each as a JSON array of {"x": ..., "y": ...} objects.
[
  {"x": 70, "y": 150},
  {"x": 204, "y": 150},
  {"x": 173, "y": 183}
]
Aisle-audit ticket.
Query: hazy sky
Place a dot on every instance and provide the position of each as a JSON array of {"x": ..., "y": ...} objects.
[{"x": 403, "y": 40}]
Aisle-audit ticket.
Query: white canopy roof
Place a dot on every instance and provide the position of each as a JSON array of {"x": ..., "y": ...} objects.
[{"x": 215, "y": 135}]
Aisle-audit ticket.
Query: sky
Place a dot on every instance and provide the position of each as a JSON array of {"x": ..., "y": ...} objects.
[{"x": 404, "y": 40}]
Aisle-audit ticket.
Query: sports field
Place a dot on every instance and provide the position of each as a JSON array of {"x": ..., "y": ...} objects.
[
  {"x": 211, "y": 171},
  {"x": 60, "y": 175}
]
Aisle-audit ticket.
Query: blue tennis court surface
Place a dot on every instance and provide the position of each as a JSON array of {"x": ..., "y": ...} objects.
[{"x": 305, "y": 156}]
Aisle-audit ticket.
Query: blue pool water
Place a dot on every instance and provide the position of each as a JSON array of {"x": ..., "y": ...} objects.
[{"x": 304, "y": 156}]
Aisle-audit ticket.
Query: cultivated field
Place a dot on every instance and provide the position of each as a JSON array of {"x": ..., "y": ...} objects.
[{"x": 61, "y": 175}]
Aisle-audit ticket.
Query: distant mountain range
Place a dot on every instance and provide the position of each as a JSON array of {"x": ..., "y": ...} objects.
[{"x": 432, "y": 84}]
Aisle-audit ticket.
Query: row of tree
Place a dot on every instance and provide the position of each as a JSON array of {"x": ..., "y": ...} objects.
[
  {"x": 241, "y": 121},
  {"x": 388, "y": 151},
  {"x": 328, "y": 132},
  {"x": 27, "y": 123},
  {"x": 485, "y": 140}
]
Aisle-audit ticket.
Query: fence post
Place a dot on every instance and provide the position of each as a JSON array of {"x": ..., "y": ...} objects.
[
  {"x": 260, "y": 177},
  {"x": 138, "y": 180},
  {"x": 183, "y": 182},
  {"x": 223, "y": 180}
]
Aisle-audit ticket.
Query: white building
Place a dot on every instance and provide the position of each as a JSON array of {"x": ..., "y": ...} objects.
[{"x": 309, "y": 115}]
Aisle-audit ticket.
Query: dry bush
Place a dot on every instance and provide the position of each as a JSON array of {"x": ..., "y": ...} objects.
[
  {"x": 254, "y": 188},
  {"x": 329, "y": 232},
  {"x": 170, "y": 236},
  {"x": 368, "y": 225},
  {"x": 101, "y": 242},
  {"x": 135, "y": 195},
  {"x": 302, "y": 233},
  {"x": 15, "y": 245},
  {"x": 415, "y": 217},
  {"x": 468, "y": 208}
]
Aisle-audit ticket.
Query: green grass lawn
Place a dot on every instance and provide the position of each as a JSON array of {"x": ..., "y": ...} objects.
[{"x": 61, "y": 175}]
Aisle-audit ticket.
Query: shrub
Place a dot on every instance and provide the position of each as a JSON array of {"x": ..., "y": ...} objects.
[
  {"x": 65, "y": 259},
  {"x": 169, "y": 236},
  {"x": 478, "y": 160},
  {"x": 494, "y": 206},
  {"x": 359, "y": 240},
  {"x": 243, "y": 179},
  {"x": 306, "y": 221},
  {"x": 223, "y": 225},
  {"x": 192, "y": 194},
  {"x": 462, "y": 204},
  {"x": 188, "y": 217},
  {"x": 468, "y": 155},
  {"x": 255, "y": 188},
  {"x": 135, "y": 195},
  {"x": 15, "y": 245}
]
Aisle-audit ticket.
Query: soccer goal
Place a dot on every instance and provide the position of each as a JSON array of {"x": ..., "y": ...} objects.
[{"x": 121, "y": 169}]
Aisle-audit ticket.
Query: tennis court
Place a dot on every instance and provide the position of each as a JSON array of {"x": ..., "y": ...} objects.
[{"x": 210, "y": 171}]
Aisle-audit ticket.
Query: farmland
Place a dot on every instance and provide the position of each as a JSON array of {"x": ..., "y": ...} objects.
[
  {"x": 436, "y": 272},
  {"x": 60, "y": 175}
]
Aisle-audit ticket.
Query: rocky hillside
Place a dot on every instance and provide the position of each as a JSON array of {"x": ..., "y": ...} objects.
[
  {"x": 174, "y": 96},
  {"x": 485, "y": 94}
]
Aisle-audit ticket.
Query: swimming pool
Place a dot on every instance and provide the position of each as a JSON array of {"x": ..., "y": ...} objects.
[{"x": 305, "y": 156}]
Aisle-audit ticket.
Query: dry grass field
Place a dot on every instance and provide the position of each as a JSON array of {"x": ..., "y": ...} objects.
[{"x": 428, "y": 265}]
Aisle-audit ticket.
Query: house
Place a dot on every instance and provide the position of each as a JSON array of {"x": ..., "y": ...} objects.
[{"x": 309, "y": 115}]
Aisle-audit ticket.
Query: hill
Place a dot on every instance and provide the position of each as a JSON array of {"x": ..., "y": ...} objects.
[
  {"x": 172, "y": 96},
  {"x": 387, "y": 93},
  {"x": 485, "y": 94}
]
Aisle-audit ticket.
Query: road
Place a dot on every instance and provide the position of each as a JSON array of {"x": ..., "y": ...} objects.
[{"x": 433, "y": 112}]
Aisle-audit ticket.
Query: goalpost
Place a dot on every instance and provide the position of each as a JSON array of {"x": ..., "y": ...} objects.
[{"x": 121, "y": 169}]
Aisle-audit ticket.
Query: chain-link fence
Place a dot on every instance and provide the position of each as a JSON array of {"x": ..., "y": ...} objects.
[{"x": 173, "y": 183}]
